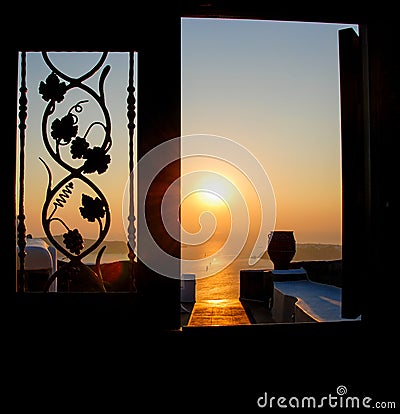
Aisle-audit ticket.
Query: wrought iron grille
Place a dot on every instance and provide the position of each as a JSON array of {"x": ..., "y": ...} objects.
[{"x": 71, "y": 147}]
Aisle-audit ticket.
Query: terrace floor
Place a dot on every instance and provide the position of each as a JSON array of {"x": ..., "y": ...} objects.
[{"x": 225, "y": 312}]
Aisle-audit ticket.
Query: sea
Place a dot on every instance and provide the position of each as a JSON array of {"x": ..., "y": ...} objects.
[
  {"x": 218, "y": 276},
  {"x": 224, "y": 284}
]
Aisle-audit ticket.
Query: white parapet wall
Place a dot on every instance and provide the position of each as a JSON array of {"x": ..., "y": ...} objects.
[
  {"x": 188, "y": 287},
  {"x": 306, "y": 301},
  {"x": 40, "y": 257},
  {"x": 283, "y": 307}
]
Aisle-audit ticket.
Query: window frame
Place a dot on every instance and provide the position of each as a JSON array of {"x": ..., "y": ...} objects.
[{"x": 243, "y": 10}]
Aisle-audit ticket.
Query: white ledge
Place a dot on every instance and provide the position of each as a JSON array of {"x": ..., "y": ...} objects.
[
  {"x": 40, "y": 257},
  {"x": 307, "y": 301}
]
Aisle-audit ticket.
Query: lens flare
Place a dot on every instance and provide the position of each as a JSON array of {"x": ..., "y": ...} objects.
[{"x": 222, "y": 193}]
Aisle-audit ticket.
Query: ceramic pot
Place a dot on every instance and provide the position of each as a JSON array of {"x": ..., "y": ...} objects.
[{"x": 281, "y": 248}]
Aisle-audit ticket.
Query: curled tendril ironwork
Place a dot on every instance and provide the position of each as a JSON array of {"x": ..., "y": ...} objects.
[
  {"x": 64, "y": 132},
  {"x": 64, "y": 195}
]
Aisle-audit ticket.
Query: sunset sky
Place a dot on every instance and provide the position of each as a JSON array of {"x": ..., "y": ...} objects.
[{"x": 271, "y": 87}]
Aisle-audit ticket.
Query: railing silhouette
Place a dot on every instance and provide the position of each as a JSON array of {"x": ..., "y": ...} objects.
[
  {"x": 72, "y": 150},
  {"x": 21, "y": 228}
]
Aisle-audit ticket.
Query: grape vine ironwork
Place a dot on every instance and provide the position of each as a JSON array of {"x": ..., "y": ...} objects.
[{"x": 92, "y": 159}]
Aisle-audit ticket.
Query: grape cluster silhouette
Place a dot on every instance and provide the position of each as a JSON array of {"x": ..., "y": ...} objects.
[{"x": 73, "y": 241}]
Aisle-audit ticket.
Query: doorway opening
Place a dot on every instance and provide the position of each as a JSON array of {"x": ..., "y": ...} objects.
[{"x": 270, "y": 89}]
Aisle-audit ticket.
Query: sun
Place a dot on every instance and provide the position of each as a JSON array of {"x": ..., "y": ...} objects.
[{"x": 209, "y": 199}]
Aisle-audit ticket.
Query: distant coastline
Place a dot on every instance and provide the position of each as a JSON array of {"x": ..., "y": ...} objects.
[{"x": 117, "y": 250}]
